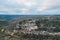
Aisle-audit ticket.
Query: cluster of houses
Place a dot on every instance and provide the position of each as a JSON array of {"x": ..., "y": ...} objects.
[
  {"x": 41, "y": 33},
  {"x": 30, "y": 26}
]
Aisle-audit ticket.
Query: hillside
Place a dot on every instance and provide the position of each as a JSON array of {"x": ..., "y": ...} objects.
[{"x": 30, "y": 27}]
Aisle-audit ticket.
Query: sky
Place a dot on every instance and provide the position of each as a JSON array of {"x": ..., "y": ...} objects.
[{"x": 29, "y": 7}]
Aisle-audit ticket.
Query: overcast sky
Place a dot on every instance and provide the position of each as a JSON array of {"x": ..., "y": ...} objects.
[{"x": 30, "y": 7}]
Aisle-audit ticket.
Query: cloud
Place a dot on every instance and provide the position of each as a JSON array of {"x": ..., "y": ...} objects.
[
  {"x": 53, "y": 11},
  {"x": 29, "y": 6},
  {"x": 8, "y": 10},
  {"x": 23, "y": 2},
  {"x": 46, "y": 4}
]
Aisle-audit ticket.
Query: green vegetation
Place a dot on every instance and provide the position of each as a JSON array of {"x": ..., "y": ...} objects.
[{"x": 51, "y": 24}]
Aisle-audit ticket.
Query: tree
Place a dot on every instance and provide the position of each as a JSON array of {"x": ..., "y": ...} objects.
[{"x": 37, "y": 23}]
